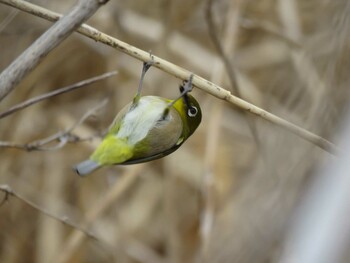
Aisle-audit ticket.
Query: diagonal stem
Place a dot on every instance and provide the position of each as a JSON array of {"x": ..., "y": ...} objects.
[
  {"x": 33, "y": 55},
  {"x": 181, "y": 73}
]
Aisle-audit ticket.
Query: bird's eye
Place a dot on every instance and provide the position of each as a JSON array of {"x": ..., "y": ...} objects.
[{"x": 192, "y": 111}]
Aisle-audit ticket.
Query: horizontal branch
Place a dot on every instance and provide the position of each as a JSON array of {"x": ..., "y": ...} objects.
[
  {"x": 54, "y": 93},
  {"x": 180, "y": 73},
  {"x": 82, "y": 229},
  {"x": 10, "y": 192},
  {"x": 63, "y": 137}
]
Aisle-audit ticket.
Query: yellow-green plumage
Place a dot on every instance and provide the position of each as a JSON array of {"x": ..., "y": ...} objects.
[
  {"x": 112, "y": 150},
  {"x": 146, "y": 129}
]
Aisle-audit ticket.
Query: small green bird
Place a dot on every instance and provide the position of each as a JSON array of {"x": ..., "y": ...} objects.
[{"x": 146, "y": 129}]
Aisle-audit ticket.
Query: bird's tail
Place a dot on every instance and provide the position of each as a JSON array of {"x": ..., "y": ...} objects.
[{"x": 86, "y": 167}]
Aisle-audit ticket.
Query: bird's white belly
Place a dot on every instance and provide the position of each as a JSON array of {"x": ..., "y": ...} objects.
[{"x": 138, "y": 121}]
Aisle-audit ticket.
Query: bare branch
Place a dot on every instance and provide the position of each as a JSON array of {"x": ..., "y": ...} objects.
[
  {"x": 226, "y": 44},
  {"x": 32, "y": 56},
  {"x": 65, "y": 220},
  {"x": 116, "y": 192},
  {"x": 227, "y": 62},
  {"x": 181, "y": 73},
  {"x": 54, "y": 93},
  {"x": 63, "y": 137},
  {"x": 8, "y": 19},
  {"x": 219, "y": 48}
]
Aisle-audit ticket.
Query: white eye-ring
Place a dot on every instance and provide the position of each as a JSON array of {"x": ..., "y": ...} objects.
[{"x": 192, "y": 111}]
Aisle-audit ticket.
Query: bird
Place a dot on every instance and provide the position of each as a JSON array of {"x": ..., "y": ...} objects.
[{"x": 148, "y": 128}]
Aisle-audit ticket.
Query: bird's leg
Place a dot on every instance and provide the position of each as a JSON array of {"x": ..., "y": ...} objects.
[
  {"x": 145, "y": 68},
  {"x": 184, "y": 89},
  {"x": 187, "y": 87}
]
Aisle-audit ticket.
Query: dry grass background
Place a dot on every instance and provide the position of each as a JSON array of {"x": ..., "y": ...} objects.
[{"x": 221, "y": 197}]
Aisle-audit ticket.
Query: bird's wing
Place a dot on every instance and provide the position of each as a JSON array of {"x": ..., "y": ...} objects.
[{"x": 152, "y": 157}]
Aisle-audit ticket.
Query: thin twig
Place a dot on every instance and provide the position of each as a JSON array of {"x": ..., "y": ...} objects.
[
  {"x": 32, "y": 56},
  {"x": 225, "y": 48},
  {"x": 110, "y": 197},
  {"x": 181, "y": 73},
  {"x": 222, "y": 49},
  {"x": 303, "y": 64},
  {"x": 65, "y": 220},
  {"x": 133, "y": 247},
  {"x": 228, "y": 64},
  {"x": 8, "y": 19},
  {"x": 219, "y": 48},
  {"x": 63, "y": 137},
  {"x": 54, "y": 93}
]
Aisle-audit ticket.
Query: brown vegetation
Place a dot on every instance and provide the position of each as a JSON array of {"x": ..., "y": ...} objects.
[{"x": 228, "y": 193}]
